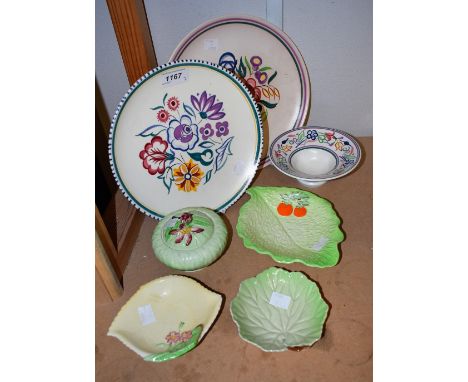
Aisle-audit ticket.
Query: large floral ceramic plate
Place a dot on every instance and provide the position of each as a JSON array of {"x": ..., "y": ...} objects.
[
  {"x": 267, "y": 60},
  {"x": 291, "y": 225},
  {"x": 186, "y": 134},
  {"x": 166, "y": 318},
  {"x": 279, "y": 310}
]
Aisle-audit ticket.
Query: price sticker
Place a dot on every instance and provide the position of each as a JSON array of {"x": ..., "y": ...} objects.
[
  {"x": 320, "y": 244},
  {"x": 146, "y": 315},
  {"x": 210, "y": 43},
  {"x": 175, "y": 77},
  {"x": 280, "y": 300}
]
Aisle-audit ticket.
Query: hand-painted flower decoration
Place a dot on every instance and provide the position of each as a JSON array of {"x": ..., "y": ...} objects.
[
  {"x": 254, "y": 89},
  {"x": 312, "y": 134},
  {"x": 173, "y": 337},
  {"x": 206, "y": 131},
  {"x": 182, "y": 134},
  {"x": 162, "y": 116},
  {"x": 185, "y": 336},
  {"x": 173, "y": 103},
  {"x": 188, "y": 176},
  {"x": 186, "y": 218},
  {"x": 207, "y": 107},
  {"x": 154, "y": 155},
  {"x": 261, "y": 77},
  {"x": 222, "y": 128},
  {"x": 184, "y": 232},
  {"x": 256, "y": 61},
  {"x": 228, "y": 61}
]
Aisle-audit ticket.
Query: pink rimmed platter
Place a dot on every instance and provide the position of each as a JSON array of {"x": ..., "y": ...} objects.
[
  {"x": 186, "y": 134},
  {"x": 266, "y": 60}
]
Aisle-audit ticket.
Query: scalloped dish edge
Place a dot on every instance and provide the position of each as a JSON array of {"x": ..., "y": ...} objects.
[{"x": 281, "y": 258}]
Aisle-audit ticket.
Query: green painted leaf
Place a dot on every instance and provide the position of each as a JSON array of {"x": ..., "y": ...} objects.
[
  {"x": 272, "y": 326},
  {"x": 264, "y": 69},
  {"x": 208, "y": 176},
  {"x": 267, "y": 104},
  {"x": 248, "y": 65},
  {"x": 178, "y": 349},
  {"x": 164, "y": 99},
  {"x": 205, "y": 157},
  {"x": 206, "y": 144},
  {"x": 152, "y": 131},
  {"x": 311, "y": 239},
  {"x": 157, "y": 108},
  {"x": 272, "y": 77},
  {"x": 189, "y": 110},
  {"x": 167, "y": 178},
  {"x": 242, "y": 69}
]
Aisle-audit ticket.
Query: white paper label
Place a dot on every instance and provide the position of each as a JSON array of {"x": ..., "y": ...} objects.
[
  {"x": 210, "y": 43},
  {"x": 146, "y": 315},
  {"x": 320, "y": 244},
  {"x": 239, "y": 167},
  {"x": 175, "y": 77},
  {"x": 280, "y": 300}
]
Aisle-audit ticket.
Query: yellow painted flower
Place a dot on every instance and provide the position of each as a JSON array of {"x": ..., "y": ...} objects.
[{"x": 188, "y": 176}]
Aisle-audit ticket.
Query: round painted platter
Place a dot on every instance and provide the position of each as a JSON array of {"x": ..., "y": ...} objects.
[
  {"x": 187, "y": 133},
  {"x": 266, "y": 60}
]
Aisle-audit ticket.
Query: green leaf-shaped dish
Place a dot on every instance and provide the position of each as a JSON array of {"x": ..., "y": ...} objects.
[
  {"x": 277, "y": 310},
  {"x": 290, "y": 225}
]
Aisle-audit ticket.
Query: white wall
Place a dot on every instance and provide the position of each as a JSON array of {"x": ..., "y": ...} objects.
[{"x": 335, "y": 38}]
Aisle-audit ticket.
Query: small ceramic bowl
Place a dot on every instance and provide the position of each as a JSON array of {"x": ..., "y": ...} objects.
[
  {"x": 190, "y": 238},
  {"x": 166, "y": 318},
  {"x": 314, "y": 155},
  {"x": 279, "y": 310}
]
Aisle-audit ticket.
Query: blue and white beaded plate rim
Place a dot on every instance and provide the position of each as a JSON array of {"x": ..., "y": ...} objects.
[
  {"x": 187, "y": 133},
  {"x": 315, "y": 154}
]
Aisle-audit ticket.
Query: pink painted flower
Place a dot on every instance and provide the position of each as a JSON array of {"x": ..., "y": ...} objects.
[
  {"x": 185, "y": 230},
  {"x": 154, "y": 156},
  {"x": 173, "y": 103},
  {"x": 173, "y": 337},
  {"x": 185, "y": 336},
  {"x": 162, "y": 115}
]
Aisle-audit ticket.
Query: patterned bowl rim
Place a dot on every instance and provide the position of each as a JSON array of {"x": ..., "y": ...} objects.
[{"x": 311, "y": 145}]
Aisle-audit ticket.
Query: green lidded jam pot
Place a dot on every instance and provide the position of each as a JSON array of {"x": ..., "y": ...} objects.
[{"x": 190, "y": 238}]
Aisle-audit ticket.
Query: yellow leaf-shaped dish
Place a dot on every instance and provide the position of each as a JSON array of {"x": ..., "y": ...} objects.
[{"x": 166, "y": 318}]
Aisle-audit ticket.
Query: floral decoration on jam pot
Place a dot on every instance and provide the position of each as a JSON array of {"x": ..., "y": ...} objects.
[
  {"x": 256, "y": 76},
  {"x": 183, "y": 229},
  {"x": 293, "y": 203},
  {"x": 190, "y": 141}
]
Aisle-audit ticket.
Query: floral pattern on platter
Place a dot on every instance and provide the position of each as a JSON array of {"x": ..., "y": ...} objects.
[
  {"x": 183, "y": 229},
  {"x": 256, "y": 76},
  {"x": 190, "y": 141},
  {"x": 339, "y": 144}
]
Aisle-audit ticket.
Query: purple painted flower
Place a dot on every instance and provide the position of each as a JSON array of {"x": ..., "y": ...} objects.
[
  {"x": 207, "y": 107},
  {"x": 256, "y": 61},
  {"x": 206, "y": 131},
  {"x": 261, "y": 77},
  {"x": 222, "y": 128},
  {"x": 182, "y": 134}
]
